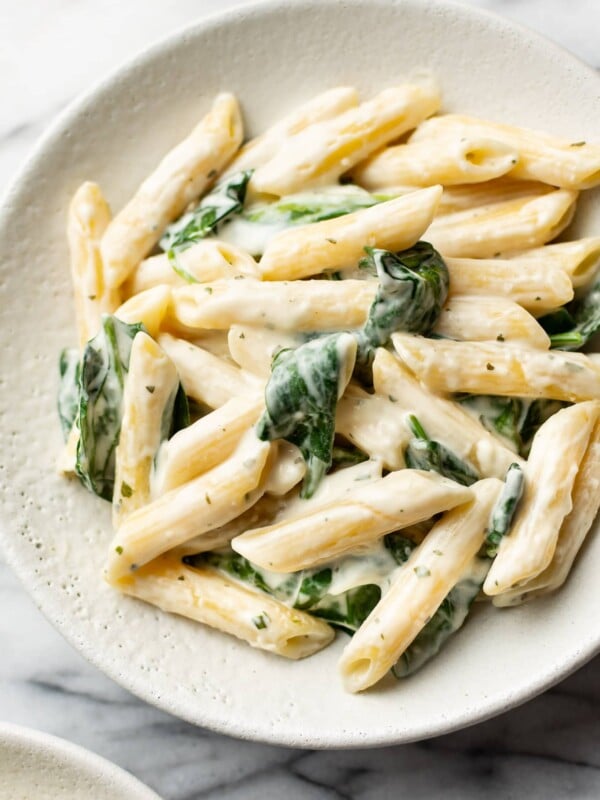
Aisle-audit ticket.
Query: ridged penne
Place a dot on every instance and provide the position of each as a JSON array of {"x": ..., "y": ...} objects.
[
  {"x": 334, "y": 243},
  {"x": 585, "y": 499},
  {"x": 207, "y": 378},
  {"x": 443, "y": 419},
  {"x": 323, "y": 106},
  {"x": 201, "y": 446},
  {"x": 148, "y": 307},
  {"x": 204, "y": 595},
  {"x": 180, "y": 178},
  {"x": 490, "y": 368},
  {"x": 542, "y": 157},
  {"x": 513, "y": 225},
  {"x": 418, "y": 589},
  {"x": 152, "y": 382},
  {"x": 322, "y": 152},
  {"x": 531, "y": 282},
  {"x": 556, "y": 453},
  {"x": 396, "y": 501},
  {"x": 207, "y": 260},
  {"x": 314, "y": 305},
  {"x": 89, "y": 216},
  {"x": 450, "y": 160},
  {"x": 205, "y": 503},
  {"x": 499, "y": 190},
  {"x": 579, "y": 259},
  {"x": 488, "y": 319}
]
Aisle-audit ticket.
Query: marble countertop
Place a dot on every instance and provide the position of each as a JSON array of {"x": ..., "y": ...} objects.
[{"x": 545, "y": 750}]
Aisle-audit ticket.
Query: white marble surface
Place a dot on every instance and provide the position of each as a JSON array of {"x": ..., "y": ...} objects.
[{"x": 50, "y": 50}]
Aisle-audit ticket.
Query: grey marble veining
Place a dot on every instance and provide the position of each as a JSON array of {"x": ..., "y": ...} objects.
[{"x": 546, "y": 750}]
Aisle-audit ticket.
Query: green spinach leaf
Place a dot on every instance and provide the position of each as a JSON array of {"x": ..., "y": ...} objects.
[
  {"x": 504, "y": 509},
  {"x": 574, "y": 325},
  {"x": 424, "y": 453},
  {"x": 68, "y": 391}
]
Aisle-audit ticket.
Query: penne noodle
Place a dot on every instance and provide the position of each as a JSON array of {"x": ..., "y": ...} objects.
[
  {"x": 499, "y": 190},
  {"x": 585, "y": 499},
  {"x": 68, "y": 455},
  {"x": 489, "y": 230},
  {"x": 494, "y": 368},
  {"x": 579, "y": 259},
  {"x": 396, "y": 501},
  {"x": 418, "y": 588},
  {"x": 287, "y": 305},
  {"x": 443, "y": 419},
  {"x": 207, "y": 260},
  {"x": 322, "y": 152},
  {"x": 324, "y": 106},
  {"x": 556, "y": 453},
  {"x": 286, "y": 470},
  {"x": 340, "y": 242},
  {"x": 89, "y": 216},
  {"x": 488, "y": 319},
  {"x": 205, "y": 377},
  {"x": 450, "y": 160},
  {"x": 254, "y": 348},
  {"x": 150, "y": 389},
  {"x": 204, "y": 595},
  {"x": 542, "y": 157},
  {"x": 200, "y": 447},
  {"x": 532, "y": 282},
  {"x": 148, "y": 307},
  {"x": 203, "y": 504},
  {"x": 180, "y": 178}
]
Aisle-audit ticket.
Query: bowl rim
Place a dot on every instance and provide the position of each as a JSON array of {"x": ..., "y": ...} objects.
[{"x": 212, "y": 21}]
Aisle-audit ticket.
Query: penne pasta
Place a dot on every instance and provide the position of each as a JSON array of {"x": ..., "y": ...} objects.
[
  {"x": 500, "y": 190},
  {"x": 398, "y": 500},
  {"x": 148, "y": 398},
  {"x": 418, "y": 589},
  {"x": 204, "y": 595},
  {"x": 513, "y": 225},
  {"x": 203, "y": 504},
  {"x": 289, "y": 306},
  {"x": 148, "y": 307},
  {"x": 443, "y": 419},
  {"x": 493, "y": 368},
  {"x": 89, "y": 216},
  {"x": 324, "y": 106},
  {"x": 322, "y": 152},
  {"x": 340, "y": 242},
  {"x": 180, "y": 178},
  {"x": 254, "y": 348},
  {"x": 449, "y": 160},
  {"x": 489, "y": 319},
  {"x": 532, "y": 282},
  {"x": 579, "y": 259},
  {"x": 542, "y": 157},
  {"x": 207, "y": 260},
  {"x": 557, "y": 451}
]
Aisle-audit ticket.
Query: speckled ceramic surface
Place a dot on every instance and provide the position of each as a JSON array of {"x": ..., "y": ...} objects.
[
  {"x": 36, "y": 766},
  {"x": 273, "y": 56}
]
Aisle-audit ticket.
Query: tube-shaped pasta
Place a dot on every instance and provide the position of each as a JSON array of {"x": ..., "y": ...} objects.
[
  {"x": 89, "y": 216},
  {"x": 180, "y": 178},
  {"x": 323, "y": 106},
  {"x": 322, "y": 152},
  {"x": 488, "y": 319},
  {"x": 499, "y": 190},
  {"x": 254, "y": 348},
  {"x": 542, "y": 157},
  {"x": 531, "y": 282},
  {"x": 513, "y": 225},
  {"x": 334, "y": 243},
  {"x": 201, "y": 446},
  {"x": 579, "y": 259},
  {"x": 204, "y": 595},
  {"x": 490, "y": 368},
  {"x": 288, "y": 305},
  {"x": 443, "y": 419},
  {"x": 207, "y": 378},
  {"x": 207, "y": 260},
  {"x": 556, "y": 453},
  {"x": 286, "y": 470},
  {"x": 149, "y": 307},
  {"x": 205, "y": 503},
  {"x": 150, "y": 389},
  {"x": 451, "y": 160},
  {"x": 396, "y": 501},
  {"x": 418, "y": 589},
  {"x": 585, "y": 498}
]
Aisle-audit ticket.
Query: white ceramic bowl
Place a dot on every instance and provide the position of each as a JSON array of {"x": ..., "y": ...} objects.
[
  {"x": 273, "y": 56},
  {"x": 37, "y": 766}
]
